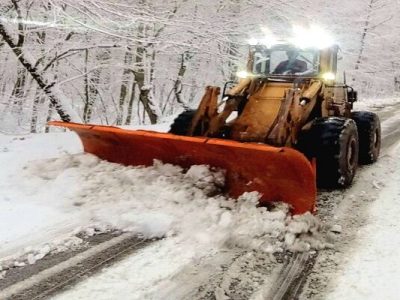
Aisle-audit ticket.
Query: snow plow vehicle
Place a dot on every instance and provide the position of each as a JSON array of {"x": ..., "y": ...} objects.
[{"x": 285, "y": 127}]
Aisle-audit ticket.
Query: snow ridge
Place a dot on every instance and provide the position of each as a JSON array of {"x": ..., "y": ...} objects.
[{"x": 165, "y": 200}]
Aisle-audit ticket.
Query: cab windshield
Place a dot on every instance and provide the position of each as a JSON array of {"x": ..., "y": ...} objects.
[{"x": 285, "y": 61}]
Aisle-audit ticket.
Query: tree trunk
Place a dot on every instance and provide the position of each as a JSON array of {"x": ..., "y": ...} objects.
[
  {"x": 178, "y": 82},
  {"x": 48, "y": 119},
  {"x": 18, "y": 90},
  {"x": 86, "y": 109},
  {"x": 41, "y": 38},
  {"x": 144, "y": 89},
  {"x": 35, "y": 111},
  {"x": 123, "y": 94},
  {"x": 364, "y": 35},
  {"x": 91, "y": 87},
  {"x": 130, "y": 105}
]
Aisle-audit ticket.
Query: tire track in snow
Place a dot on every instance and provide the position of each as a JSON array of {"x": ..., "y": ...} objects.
[
  {"x": 290, "y": 275},
  {"x": 68, "y": 272}
]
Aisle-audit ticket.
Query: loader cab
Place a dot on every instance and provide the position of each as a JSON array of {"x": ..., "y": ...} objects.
[{"x": 285, "y": 62}]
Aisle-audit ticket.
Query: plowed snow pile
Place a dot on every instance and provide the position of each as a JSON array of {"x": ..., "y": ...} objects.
[
  {"x": 164, "y": 201},
  {"x": 45, "y": 202}
]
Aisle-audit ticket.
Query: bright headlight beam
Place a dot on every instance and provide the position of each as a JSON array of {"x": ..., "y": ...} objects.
[
  {"x": 252, "y": 41},
  {"x": 242, "y": 74},
  {"x": 269, "y": 37},
  {"x": 328, "y": 76},
  {"x": 311, "y": 37}
]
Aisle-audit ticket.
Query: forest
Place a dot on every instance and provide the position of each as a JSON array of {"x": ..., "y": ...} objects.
[{"x": 143, "y": 61}]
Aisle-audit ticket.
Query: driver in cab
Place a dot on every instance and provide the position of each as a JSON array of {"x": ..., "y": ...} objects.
[{"x": 292, "y": 65}]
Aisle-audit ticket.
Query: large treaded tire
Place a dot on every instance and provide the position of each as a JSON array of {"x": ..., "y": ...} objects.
[
  {"x": 333, "y": 141},
  {"x": 369, "y": 133},
  {"x": 181, "y": 124}
]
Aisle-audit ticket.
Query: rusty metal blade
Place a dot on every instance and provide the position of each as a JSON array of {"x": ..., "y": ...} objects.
[{"x": 279, "y": 174}]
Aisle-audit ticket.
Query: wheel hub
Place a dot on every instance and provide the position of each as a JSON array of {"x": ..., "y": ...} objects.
[{"x": 351, "y": 150}]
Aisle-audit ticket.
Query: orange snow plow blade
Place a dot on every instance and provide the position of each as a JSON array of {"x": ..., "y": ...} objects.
[{"x": 278, "y": 174}]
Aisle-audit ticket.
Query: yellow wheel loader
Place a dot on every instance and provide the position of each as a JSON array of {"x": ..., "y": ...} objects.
[{"x": 284, "y": 127}]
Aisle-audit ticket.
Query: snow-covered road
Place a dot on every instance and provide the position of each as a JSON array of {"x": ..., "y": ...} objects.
[
  {"x": 371, "y": 269},
  {"x": 211, "y": 247}
]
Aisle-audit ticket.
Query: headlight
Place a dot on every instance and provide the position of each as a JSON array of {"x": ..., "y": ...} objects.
[
  {"x": 329, "y": 76},
  {"x": 242, "y": 74}
]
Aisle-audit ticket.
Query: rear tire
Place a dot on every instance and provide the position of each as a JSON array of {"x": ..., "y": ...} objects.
[
  {"x": 181, "y": 124},
  {"x": 369, "y": 132},
  {"x": 333, "y": 141}
]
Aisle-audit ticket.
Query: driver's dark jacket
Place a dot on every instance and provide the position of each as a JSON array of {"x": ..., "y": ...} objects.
[{"x": 297, "y": 66}]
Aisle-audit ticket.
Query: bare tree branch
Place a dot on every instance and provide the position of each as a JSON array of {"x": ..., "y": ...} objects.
[{"x": 47, "y": 87}]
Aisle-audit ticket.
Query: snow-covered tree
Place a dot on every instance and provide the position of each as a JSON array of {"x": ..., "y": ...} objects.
[{"x": 138, "y": 61}]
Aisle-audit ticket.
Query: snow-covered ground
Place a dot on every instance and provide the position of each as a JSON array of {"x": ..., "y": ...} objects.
[
  {"x": 371, "y": 270},
  {"x": 50, "y": 191},
  {"x": 30, "y": 213}
]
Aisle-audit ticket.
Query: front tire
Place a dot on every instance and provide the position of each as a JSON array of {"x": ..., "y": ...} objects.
[
  {"x": 369, "y": 132},
  {"x": 333, "y": 141},
  {"x": 182, "y": 123}
]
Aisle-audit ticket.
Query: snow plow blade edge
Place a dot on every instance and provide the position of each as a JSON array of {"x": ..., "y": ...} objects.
[{"x": 278, "y": 174}]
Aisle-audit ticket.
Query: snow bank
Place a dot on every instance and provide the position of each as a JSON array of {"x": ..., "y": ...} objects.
[
  {"x": 184, "y": 207},
  {"x": 165, "y": 201}
]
